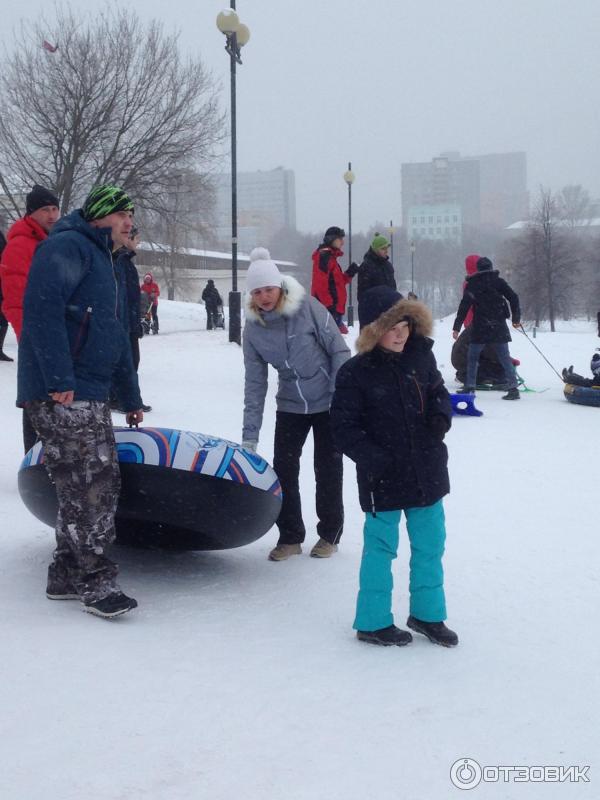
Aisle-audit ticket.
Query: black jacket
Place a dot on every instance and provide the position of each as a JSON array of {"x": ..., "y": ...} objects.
[
  {"x": 211, "y": 297},
  {"x": 487, "y": 293},
  {"x": 389, "y": 414},
  {"x": 374, "y": 271},
  {"x": 129, "y": 285}
]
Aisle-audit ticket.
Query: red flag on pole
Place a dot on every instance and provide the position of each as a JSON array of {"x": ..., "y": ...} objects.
[{"x": 51, "y": 48}]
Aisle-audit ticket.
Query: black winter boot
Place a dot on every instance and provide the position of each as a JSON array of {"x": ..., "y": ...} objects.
[
  {"x": 512, "y": 394},
  {"x": 436, "y": 632},
  {"x": 385, "y": 636}
]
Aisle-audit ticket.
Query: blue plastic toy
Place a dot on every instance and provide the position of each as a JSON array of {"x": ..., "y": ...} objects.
[{"x": 463, "y": 405}]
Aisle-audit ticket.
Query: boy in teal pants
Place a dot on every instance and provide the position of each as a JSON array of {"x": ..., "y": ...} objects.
[{"x": 389, "y": 414}]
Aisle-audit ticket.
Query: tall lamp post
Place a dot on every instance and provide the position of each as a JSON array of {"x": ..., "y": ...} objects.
[
  {"x": 349, "y": 178},
  {"x": 237, "y": 35},
  {"x": 391, "y": 241},
  {"x": 413, "y": 247}
]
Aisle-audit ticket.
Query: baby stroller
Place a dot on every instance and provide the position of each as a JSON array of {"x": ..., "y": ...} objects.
[
  {"x": 149, "y": 325},
  {"x": 220, "y": 318}
]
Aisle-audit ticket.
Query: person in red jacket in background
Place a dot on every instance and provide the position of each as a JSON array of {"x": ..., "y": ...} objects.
[
  {"x": 471, "y": 269},
  {"x": 328, "y": 280},
  {"x": 22, "y": 238},
  {"x": 152, "y": 291}
]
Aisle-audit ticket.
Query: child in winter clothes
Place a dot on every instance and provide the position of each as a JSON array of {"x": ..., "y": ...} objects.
[
  {"x": 390, "y": 413},
  {"x": 297, "y": 336},
  {"x": 578, "y": 380},
  {"x": 152, "y": 292}
]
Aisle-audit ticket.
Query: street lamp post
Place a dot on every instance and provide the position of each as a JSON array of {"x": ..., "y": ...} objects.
[
  {"x": 391, "y": 241},
  {"x": 237, "y": 36},
  {"x": 349, "y": 178},
  {"x": 413, "y": 247}
]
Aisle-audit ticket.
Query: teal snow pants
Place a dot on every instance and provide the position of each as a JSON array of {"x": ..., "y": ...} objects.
[{"x": 427, "y": 534}]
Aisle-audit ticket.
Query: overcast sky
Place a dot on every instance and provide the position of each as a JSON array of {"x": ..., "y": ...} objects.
[{"x": 379, "y": 82}]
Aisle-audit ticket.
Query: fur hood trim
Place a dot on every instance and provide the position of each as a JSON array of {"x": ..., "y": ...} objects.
[
  {"x": 294, "y": 294},
  {"x": 417, "y": 312}
]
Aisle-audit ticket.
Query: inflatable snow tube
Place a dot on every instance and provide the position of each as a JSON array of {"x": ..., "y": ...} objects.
[
  {"x": 582, "y": 395},
  {"x": 180, "y": 490}
]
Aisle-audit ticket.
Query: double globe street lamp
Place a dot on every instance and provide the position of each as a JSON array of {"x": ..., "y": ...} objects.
[
  {"x": 237, "y": 35},
  {"x": 349, "y": 177}
]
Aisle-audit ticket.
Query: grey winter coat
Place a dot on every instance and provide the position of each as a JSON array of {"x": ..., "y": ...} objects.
[{"x": 304, "y": 345}]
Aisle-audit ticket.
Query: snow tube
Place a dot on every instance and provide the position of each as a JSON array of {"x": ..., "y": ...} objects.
[
  {"x": 582, "y": 395},
  {"x": 179, "y": 490}
]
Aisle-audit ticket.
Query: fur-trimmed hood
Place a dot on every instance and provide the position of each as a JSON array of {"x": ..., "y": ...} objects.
[
  {"x": 418, "y": 313},
  {"x": 293, "y": 295}
]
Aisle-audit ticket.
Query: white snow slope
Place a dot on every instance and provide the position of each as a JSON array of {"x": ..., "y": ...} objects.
[{"x": 241, "y": 678}]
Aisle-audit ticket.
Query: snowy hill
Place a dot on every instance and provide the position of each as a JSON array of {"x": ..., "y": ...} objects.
[{"x": 238, "y": 678}]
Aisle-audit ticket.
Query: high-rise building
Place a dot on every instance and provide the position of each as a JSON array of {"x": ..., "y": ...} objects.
[
  {"x": 486, "y": 190},
  {"x": 266, "y": 203}
]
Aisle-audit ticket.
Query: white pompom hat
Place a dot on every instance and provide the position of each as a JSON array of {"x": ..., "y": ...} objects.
[{"x": 262, "y": 270}]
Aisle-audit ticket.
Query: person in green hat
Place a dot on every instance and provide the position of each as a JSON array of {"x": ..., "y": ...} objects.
[
  {"x": 72, "y": 348},
  {"x": 376, "y": 268}
]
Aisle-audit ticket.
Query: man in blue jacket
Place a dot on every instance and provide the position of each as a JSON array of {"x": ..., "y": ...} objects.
[{"x": 72, "y": 348}]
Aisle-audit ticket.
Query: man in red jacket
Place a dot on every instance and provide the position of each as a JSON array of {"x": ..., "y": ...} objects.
[
  {"x": 328, "y": 281},
  {"x": 41, "y": 212}
]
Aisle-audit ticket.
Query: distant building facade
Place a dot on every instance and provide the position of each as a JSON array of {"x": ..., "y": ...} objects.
[
  {"x": 189, "y": 269},
  {"x": 488, "y": 190},
  {"x": 435, "y": 221},
  {"x": 266, "y": 203}
]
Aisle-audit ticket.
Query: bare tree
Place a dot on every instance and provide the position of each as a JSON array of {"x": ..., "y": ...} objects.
[
  {"x": 178, "y": 216},
  {"x": 573, "y": 205},
  {"x": 546, "y": 262},
  {"x": 114, "y": 101}
]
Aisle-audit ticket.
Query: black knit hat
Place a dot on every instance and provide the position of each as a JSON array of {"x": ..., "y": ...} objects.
[
  {"x": 39, "y": 197},
  {"x": 376, "y": 302},
  {"x": 333, "y": 233},
  {"x": 484, "y": 264}
]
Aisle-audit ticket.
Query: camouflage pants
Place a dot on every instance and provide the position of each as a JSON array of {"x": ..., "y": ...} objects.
[{"x": 81, "y": 459}]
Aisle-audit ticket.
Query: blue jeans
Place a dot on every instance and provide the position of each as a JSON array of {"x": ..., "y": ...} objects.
[
  {"x": 427, "y": 535},
  {"x": 501, "y": 349}
]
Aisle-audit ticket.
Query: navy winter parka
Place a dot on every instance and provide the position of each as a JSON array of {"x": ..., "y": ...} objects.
[
  {"x": 381, "y": 417},
  {"x": 487, "y": 294},
  {"x": 72, "y": 338},
  {"x": 375, "y": 270}
]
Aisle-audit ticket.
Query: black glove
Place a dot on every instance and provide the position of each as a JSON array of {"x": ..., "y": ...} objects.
[
  {"x": 566, "y": 373},
  {"x": 438, "y": 425},
  {"x": 352, "y": 269}
]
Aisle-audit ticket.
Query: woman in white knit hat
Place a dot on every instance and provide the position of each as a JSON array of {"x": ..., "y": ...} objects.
[{"x": 298, "y": 336}]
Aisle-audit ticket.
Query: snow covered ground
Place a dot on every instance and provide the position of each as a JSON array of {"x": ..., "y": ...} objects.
[{"x": 238, "y": 678}]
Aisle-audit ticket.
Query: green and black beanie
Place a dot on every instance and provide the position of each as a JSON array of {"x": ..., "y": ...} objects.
[{"x": 104, "y": 200}]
